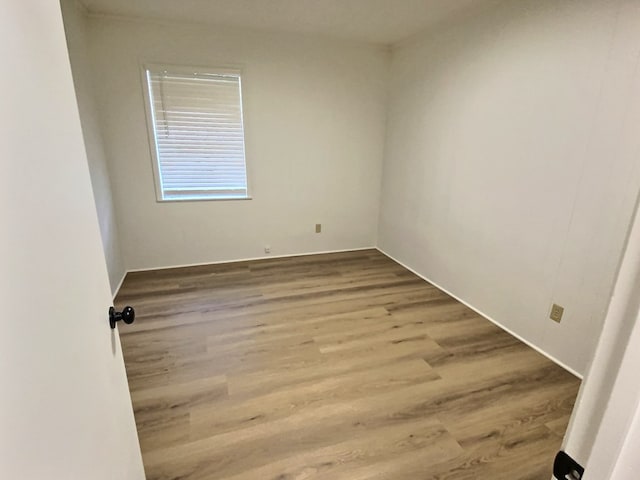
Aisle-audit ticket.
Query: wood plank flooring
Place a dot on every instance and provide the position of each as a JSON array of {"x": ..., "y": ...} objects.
[{"x": 341, "y": 366}]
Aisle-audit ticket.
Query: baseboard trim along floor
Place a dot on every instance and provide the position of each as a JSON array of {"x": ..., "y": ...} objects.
[{"x": 481, "y": 313}]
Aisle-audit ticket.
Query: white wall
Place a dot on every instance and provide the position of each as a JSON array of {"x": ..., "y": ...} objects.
[
  {"x": 314, "y": 112},
  {"x": 505, "y": 180},
  {"x": 76, "y": 34}
]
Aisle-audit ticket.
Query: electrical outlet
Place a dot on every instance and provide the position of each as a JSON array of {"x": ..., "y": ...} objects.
[
  {"x": 556, "y": 313},
  {"x": 267, "y": 249},
  {"x": 318, "y": 227}
]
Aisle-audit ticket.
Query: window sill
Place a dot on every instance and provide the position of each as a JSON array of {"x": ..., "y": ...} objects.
[{"x": 203, "y": 199}]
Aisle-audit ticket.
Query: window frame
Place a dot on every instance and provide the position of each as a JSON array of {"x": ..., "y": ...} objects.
[{"x": 153, "y": 148}]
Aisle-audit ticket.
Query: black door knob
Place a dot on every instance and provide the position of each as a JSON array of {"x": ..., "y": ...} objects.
[{"x": 128, "y": 315}]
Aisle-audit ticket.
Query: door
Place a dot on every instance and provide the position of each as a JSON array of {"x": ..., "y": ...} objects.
[
  {"x": 605, "y": 432},
  {"x": 65, "y": 409},
  {"x": 605, "y": 424}
]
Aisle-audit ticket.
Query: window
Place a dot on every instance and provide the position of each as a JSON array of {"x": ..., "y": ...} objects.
[{"x": 196, "y": 133}]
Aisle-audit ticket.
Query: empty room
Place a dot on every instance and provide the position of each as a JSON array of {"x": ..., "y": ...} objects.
[{"x": 320, "y": 239}]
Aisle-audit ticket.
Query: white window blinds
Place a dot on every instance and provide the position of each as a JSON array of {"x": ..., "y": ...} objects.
[{"x": 198, "y": 134}]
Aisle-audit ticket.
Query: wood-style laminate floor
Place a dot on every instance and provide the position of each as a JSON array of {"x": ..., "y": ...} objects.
[{"x": 341, "y": 366}]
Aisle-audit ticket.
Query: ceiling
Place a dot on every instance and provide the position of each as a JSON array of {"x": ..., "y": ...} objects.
[{"x": 376, "y": 21}]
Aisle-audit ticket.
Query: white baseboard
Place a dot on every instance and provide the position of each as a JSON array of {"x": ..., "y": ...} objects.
[
  {"x": 495, "y": 322},
  {"x": 265, "y": 257}
]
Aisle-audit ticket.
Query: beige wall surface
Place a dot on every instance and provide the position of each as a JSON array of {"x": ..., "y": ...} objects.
[
  {"x": 314, "y": 114},
  {"x": 511, "y": 167},
  {"x": 75, "y": 23}
]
